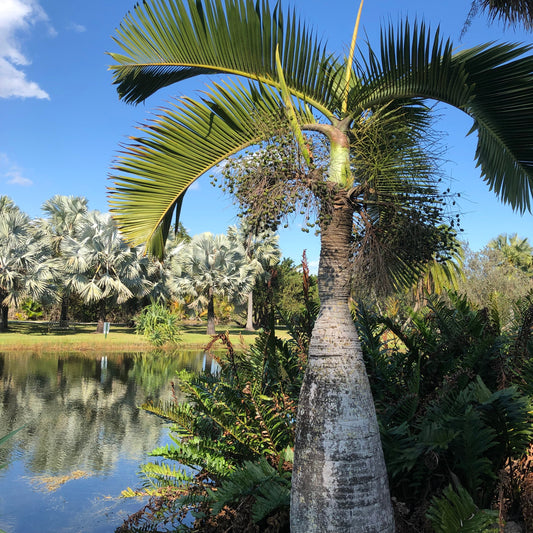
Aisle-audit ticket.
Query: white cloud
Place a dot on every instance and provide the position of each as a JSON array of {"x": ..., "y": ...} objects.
[
  {"x": 78, "y": 28},
  {"x": 13, "y": 83},
  {"x": 18, "y": 16},
  {"x": 12, "y": 172},
  {"x": 18, "y": 179}
]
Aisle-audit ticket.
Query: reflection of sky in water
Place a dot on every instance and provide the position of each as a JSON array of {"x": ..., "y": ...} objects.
[{"x": 81, "y": 413}]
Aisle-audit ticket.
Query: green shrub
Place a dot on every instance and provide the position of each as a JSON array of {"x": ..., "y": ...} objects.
[
  {"x": 232, "y": 441},
  {"x": 158, "y": 325},
  {"x": 456, "y": 512},
  {"x": 32, "y": 310}
]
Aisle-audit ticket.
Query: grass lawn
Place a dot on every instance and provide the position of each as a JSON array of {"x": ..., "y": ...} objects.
[{"x": 34, "y": 336}]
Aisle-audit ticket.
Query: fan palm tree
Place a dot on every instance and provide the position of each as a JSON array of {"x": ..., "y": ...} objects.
[
  {"x": 212, "y": 266},
  {"x": 25, "y": 268},
  {"x": 339, "y": 476},
  {"x": 262, "y": 252},
  {"x": 65, "y": 216},
  {"x": 102, "y": 267}
]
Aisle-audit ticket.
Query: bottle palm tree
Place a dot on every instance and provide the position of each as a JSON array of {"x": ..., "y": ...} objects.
[
  {"x": 212, "y": 266},
  {"x": 339, "y": 476},
  {"x": 65, "y": 217},
  {"x": 262, "y": 252},
  {"x": 102, "y": 267}
]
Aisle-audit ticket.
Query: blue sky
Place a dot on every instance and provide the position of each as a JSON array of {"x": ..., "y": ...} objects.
[{"x": 61, "y": 123}]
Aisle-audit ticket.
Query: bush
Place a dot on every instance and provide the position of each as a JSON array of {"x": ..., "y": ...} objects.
[{"x": 158, "y": 325}]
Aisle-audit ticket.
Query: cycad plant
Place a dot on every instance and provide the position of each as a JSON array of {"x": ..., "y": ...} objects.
[
  {"x": 232, "y": 436},
  {"x": 448, "y": 410},
  {"x": 291, "y": 78},
  {"x": 455, "y": 511}
]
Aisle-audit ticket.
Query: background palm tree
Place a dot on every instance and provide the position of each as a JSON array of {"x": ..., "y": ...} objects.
[
  {"x": 25, "y": 267},
  {"x": 517, "y": 252},
  {"x": 262, "y": 252},
  {"x": 102, "y": 267},
  {"x": 212, "y": 266},
  {"x": 339, "y": 476},
  {"x": 65, "y": 215}
]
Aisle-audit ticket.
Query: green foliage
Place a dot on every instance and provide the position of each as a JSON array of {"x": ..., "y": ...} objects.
[
  {"x": 285, "y": 292},
  {"x": 455, "y": 512},
  {"x": 158, "y": 324},
  {"x": 492, "y": 281},
  {"x": 445, "y": 418},
  {"x": 234, "y": 430},
  {"x": 269, "y": 487},
  {"x": 516, "y": 251},
  {"x": 439, "y": 387},
  {"x": 32, "y": 309},
  {"x": 232, "y": 433}
]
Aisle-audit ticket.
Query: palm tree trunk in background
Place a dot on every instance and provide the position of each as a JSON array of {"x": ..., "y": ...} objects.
[
  {"x": 4, "y": 321},
  {"x": 211, "y": 314},
  {"x": 102, "y": 312},
  {"x": 63, "y": 319},
  {"x": 339, "y": 481},
  {"x": 250, "y": 313}
]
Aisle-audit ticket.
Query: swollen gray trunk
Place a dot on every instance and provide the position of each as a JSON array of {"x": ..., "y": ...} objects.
[{"x": 339, "y": 481}]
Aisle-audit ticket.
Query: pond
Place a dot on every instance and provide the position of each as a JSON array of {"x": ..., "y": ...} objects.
[{"x": 84, "y": 435}]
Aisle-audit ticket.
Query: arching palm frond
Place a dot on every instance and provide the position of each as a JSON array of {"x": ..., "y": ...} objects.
[
  {"x": 490, "y": 83},
  {"x": 510, "y": 12},
  {"x": 186, "y": 141},
  {"x": 165, "y": 43}
]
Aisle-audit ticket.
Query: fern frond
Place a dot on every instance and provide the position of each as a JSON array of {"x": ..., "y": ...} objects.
[
  {"x": 455, "y": 511},
  {"x": 270, "y": 489},
  {"x": 158, "y": 474}
]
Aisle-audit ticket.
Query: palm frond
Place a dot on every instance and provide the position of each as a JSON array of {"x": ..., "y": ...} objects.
[
  {"x": 165, "y": 42},
  {"x": 510, "y": 12},
  {"x": 490, "y": 83},
  {"x": 182, "y": 144},
  {"x": 502, "y": 107},
  {"x": 412, "y": 63}
]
